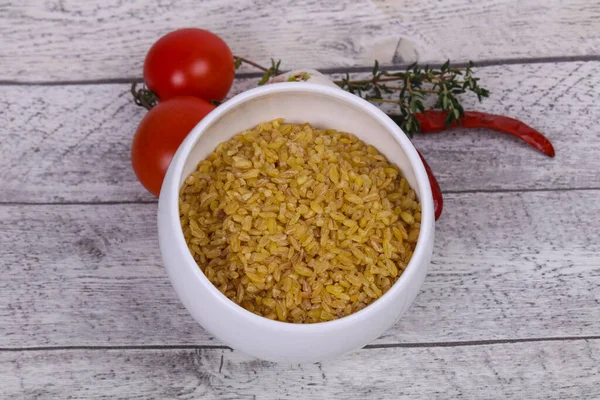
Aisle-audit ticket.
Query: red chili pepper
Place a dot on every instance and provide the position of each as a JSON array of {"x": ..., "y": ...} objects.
[
  {"x": 438, "y": 199},
  {"x": 435, "y": 121}
]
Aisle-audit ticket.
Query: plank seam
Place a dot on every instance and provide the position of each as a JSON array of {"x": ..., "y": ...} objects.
[
  {"x": 368, "y": 347},
  {"x": 155, "y": 201},
  {"x": 534, "y": 190},
  {"x": 332, "y": 70}
]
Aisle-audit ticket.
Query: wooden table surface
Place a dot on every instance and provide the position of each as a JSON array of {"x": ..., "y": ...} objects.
[{"x": 510, "y": 307}]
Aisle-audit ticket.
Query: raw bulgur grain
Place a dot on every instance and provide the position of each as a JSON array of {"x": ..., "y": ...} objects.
[{"x": 299, "y": 224}]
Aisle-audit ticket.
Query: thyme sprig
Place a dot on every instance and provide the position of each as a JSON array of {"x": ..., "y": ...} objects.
[
  {"x": 270, "y": 72},
  {"x": 413, "y": 86}
]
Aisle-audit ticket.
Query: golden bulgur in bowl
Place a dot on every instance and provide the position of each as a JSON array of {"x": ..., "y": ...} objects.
[{"x": 299, "y": 224}]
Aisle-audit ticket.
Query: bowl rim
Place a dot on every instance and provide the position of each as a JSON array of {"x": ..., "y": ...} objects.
[{"x": 170, "y": 195}]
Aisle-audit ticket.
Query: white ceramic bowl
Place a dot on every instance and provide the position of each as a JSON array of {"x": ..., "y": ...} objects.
[{"x": 322, "y": 106}]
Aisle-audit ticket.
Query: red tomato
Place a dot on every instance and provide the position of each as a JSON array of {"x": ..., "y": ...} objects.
[
  {"x": 189, "y": 62},
  {"x": 159, "y": 135}
]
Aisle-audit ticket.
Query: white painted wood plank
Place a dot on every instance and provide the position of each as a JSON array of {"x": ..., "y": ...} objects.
[
  {"x": 72, "y": 143},
  {"x": 75, "y": 40},
  {"x": 505, "y": 266},
  {"x": 542, "y": 370}
]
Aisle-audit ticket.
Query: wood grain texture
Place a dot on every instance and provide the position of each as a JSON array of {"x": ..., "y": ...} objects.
[
  {"x": 75, "y": 40},
  {"x": 72, "y": 143},
  {"x": 517, "y": 256},
  {"x": 505, "y": 266},
  {"x": 549, "y": 370}
]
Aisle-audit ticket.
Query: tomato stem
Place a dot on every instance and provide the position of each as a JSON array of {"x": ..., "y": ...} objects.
[{"x": 143, "y": 97}]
